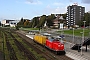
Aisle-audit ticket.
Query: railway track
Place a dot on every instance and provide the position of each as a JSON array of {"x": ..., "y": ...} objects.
[
  {"x": 46, "y": 53},
  {"x": 11, "y": 51},
  {"x": 21, "y": 47}
]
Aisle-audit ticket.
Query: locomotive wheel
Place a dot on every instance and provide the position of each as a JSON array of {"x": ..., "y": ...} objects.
[{"x": 56, "y": 52}]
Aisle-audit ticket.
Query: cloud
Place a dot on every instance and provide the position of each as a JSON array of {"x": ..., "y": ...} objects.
[
  {"x": 58, "y": 10},
  {"x": 51, "y": 10},
  {"x": 33, "y": 2},
  {"x": 58, "y": 3},
  {"x": 30, "y": 1},
  {"x": 86, "y": 1},
  {"x": 70, "y": 0}
]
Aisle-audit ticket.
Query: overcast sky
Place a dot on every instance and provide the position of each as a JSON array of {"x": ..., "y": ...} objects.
[{"x": 15, "y": 9}]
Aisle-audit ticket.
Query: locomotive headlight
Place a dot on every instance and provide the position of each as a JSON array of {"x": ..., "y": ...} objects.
[
  {"x": 61, "y": 45},
  {"x": 58, "y": 45}
]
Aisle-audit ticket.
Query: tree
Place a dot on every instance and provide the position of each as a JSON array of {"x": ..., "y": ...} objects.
[
  {"x": 80, "y": 23},
  {"x": 26, "y": 23},
  {"x": 21, "y": 23},
  {"x": 64, "y": 15},
  {"x": 42, "y": 21},
  {"x": 0, "y": 23},
  {"x": 17, "y": 27},
  {"x": 35, "y": 21},
  {"x": 50, "y": 20},
  {"x": 87, "y": 19}
]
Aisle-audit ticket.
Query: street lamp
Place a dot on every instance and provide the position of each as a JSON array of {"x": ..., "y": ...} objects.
[{"x": 83, "y": 30}]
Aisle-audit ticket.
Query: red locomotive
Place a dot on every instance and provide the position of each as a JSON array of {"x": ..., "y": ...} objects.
[{"x": 55, "y": 45}]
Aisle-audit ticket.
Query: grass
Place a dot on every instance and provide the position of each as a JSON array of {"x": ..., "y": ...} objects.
[
  {"x": 3, "y": 47},
  {"x": 38, "y": 56},
  {"x": 77, "y": 32},
  {"x": 19, "y": 55},
  {"x": 17, "y": 51},
  {"x": 1, "y": 44},
  {"x": 6, "y": 53}
]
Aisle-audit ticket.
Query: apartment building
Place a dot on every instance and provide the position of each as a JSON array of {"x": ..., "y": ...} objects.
[{"x": 75, "y": 13}]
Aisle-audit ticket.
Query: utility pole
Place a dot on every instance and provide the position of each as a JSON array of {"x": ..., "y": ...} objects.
[
  {"x": 73, "y": 35},
  {"x": 81, "y": 41}
]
